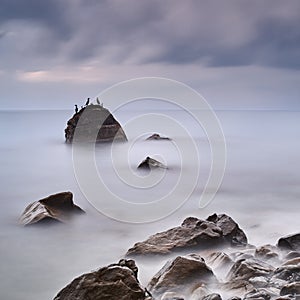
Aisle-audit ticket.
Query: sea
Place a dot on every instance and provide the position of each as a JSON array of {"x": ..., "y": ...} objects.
[{"x": 260, "y": 188}]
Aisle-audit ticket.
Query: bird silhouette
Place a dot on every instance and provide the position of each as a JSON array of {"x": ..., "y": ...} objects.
[
  {"x": 98, "y": 102},
  {"x": 76, "y": 109},
  {"x": 87, "y": 101}
]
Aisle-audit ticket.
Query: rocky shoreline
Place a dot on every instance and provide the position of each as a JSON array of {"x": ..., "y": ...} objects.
[{"x": 204, "y": 260}]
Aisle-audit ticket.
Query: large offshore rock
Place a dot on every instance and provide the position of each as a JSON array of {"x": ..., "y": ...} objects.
[
  {"x": 94, "y": 123},
  {"x": 290, "y": 242},
  {"x": 193, "y": 232},
  {"x": 114, "y": 282},
  {"x": 151, "y": 163},
  {"x": 54, "y": 208},
  {"x": 183, "y": 274}
]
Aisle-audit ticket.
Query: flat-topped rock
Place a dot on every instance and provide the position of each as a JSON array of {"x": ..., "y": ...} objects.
[
  {"x": 93, "y": 123},
  {"x": 54, "y": 208},
  {"x": 193, "y": 232}
]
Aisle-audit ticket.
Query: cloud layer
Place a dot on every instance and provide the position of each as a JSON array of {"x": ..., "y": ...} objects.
[{"x": 46, "y": 40}]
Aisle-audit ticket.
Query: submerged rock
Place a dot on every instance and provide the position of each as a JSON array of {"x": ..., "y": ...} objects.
[
  {"x": 114, "y": 282},
  {"x": 267, "y": 252},
  {"x": 94, "y": 123},
  {"x": 156, "y": 136},
  {"x": 181, "y": 275},
  {"x": 193, "y": 232},
  {"x": 54, "y": 208},
  {"x": 149, "y": 163},
  {"x": 290, "y": 242}
]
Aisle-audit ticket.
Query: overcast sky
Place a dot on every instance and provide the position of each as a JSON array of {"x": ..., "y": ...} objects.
[{"x": 237, "y": 54}]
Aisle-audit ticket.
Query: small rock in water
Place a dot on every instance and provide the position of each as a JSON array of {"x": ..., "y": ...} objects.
[
  {"x": 149, "y": 163},
  {"x": 156, "y": 136},
  {"x": 267, "y": 252},
  {"x": 55, "y": 208},
  {"x": 213, "y": 296}
]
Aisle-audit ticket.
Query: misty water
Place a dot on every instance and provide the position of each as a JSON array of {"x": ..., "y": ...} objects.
[{"x": 260, "y": 191}]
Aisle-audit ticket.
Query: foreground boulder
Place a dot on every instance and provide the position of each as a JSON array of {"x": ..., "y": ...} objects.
[
  {"x": 290, "y": 242},
  {"x": 94, "y": 123},
  {"x": 156, "y": 136},
  {"x": 55, "y": 208},
  {"x": 181, "y": 275},
  {"x": 114, "y": 282},
  {"x": 193, "y": 232},
  {"x": 149, "y": 163}
]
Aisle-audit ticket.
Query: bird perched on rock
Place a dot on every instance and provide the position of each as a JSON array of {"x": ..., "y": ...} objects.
[
  {"x": 76, "y": 109},
  {"x": 98, "y": 102},
  {"x": 87, "y": 102}
]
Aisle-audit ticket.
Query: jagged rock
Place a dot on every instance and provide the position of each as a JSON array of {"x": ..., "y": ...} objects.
[
  {"x": 114, "y": 282},
  {"x": 238, "y": 286},
  {"x": 290, "y": 242},
  {"x": 291, "y": 289},
  {"x": 94, "y": 123},
  {"x": 149, "y": 163},
  {"x": 218, "y": 260},
  {"x": 267, "y": 252},
  {"x": 54, "y": 208},
  {"x": 192, "y": 233},
  {"x": 199, "y": 292},
  {"x": 259, "y": 281},
  {"x": 249, "y": 268},
  {"x": 180, "y": 275},
  {"x": 230, "y": 229},
  {"x": 156, "y": 136}
]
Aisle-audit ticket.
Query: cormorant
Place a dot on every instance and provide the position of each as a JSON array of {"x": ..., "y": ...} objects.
[
  {"x": 87, "y": 102},
  {"x": 76, "y": 109}
]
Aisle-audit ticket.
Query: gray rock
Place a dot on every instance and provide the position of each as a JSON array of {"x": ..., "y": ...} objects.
[
  {"x": 192, "y": 233},
  {"x": 181, "y": 275},
  {"x": 114, "y": 282},
  {"x": 290, "y": 242},
  {"x": 55, "y": 208}
]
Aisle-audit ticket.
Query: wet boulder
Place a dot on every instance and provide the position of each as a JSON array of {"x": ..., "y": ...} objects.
[
  {"x": 290, "y": 242},
  {"x": 192, "y": 233},
  {"x": 52, "y": 209},
  {"x": 287, "y": 273},
  {"x": 257, "y": 294},
  {"x": 114, "y": 282},
  {"x": 181, "y": 275}
]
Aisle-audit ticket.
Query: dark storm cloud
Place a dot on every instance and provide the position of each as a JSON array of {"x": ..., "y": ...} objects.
[{"x": 213, "y": 33}]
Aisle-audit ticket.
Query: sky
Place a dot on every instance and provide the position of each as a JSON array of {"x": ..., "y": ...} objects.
[{"x": 237, "y": 54}]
